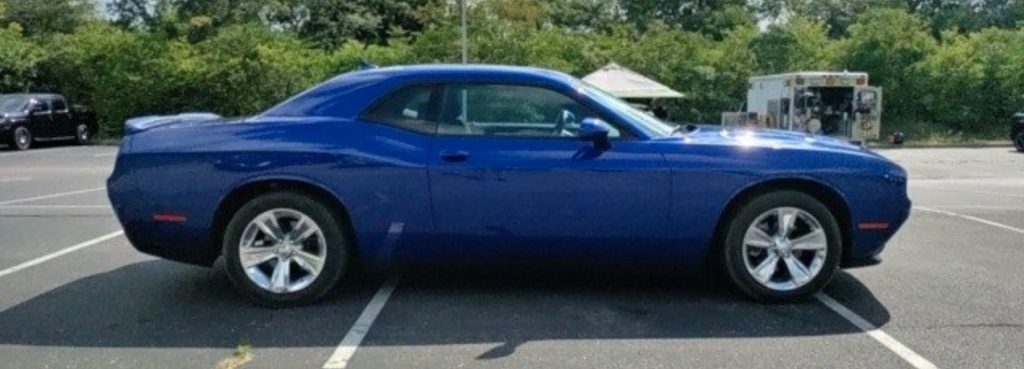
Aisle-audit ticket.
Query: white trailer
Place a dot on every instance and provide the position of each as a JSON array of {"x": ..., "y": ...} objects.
[{"x": 839, "y": 104}]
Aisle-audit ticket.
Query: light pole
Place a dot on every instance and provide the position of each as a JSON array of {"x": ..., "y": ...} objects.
[{"x": 462, "y": 9}]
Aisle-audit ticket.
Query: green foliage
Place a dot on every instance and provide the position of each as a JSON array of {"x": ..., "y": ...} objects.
[
  {"x": 888, "y": 44},
  {"x": 38, "y": 17},
  {"x": 799, "y": 44},
  {"x": 972, "y": 78},
  {"x": 19, "y": 60},
  {"x": 112, "y": 70},
  {"x": 947, "y": 66},
  {"x": 247, "y": 68}
]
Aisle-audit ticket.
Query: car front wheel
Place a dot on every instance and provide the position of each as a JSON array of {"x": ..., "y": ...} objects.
[
  {"x": 21, "y": 138},
  {"x": 782, "y": 246},
  {"x": 1018, "y": 141},
  {"x": 284, "y": 249}
]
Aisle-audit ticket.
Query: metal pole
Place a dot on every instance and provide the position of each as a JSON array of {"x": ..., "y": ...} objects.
[{"x": 462, "y": 9}]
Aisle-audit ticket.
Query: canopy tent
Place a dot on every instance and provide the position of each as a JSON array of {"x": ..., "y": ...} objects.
[{"x": 627, "y": 84}]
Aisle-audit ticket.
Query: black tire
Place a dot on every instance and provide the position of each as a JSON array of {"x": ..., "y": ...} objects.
[
  {"x": 21, "y": 138},
  {"x": 1018, "y": 141},
  {"x": 337, "y": 252},
  {"x": 83, "y": 134},
  {"x": 733, "y": 255}
]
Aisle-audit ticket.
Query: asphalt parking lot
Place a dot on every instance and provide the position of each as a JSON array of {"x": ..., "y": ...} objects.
[{"x": 949, "y": 294}]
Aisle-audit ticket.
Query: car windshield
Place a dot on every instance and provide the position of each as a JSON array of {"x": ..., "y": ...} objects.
[
  {"x": 12, "y": 104},
  {"x": 647, "y": 122}
]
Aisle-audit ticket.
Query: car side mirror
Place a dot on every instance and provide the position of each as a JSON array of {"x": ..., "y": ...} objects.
[{"x": 596, "y": 131}]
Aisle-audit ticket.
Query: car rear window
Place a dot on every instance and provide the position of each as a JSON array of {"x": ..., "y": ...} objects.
[{"x": 412, "y": 108}]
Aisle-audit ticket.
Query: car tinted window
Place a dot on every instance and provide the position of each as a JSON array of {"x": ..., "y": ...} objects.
[
  {"x": 59, "y": 104},
  {"x": 511, "y": 110},
  {"x": 40, "y": 104},
  {"x": 412, "y": 108}
]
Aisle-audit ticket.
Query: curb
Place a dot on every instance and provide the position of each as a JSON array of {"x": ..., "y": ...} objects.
[{"x": 961, "y": 145}]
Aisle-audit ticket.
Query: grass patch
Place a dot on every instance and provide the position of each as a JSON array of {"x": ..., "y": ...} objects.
[{"x": 241, "y": 356}]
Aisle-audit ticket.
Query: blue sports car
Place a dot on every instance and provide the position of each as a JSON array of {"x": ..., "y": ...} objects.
[{"x": 493, "y": 164}]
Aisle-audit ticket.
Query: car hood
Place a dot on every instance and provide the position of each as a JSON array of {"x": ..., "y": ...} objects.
[{"x": 735, "y": 136}]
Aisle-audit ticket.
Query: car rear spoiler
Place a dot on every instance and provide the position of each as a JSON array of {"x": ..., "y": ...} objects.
[{"x": 139, "y": 124}]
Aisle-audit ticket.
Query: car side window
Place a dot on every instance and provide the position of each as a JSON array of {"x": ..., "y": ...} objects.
[
  {"x": 59, "y": 106},
  {"x": 413, "y": 108},
  {"x": 511, "y": 110},
  {"x": 40, "y": 105}
]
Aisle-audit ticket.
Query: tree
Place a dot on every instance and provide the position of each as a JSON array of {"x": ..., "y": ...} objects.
[
  {"x": 799, "y": 44},
  {"x": 19, "y": 60},
  {"x": 972, "y": 78},
  {"x": 836, "y": 15},
  {"x": 332, "y": 22},
  {"x": 585, "y": 15},
  {"x": 40, "y": 17},
  {"x": 707, "y": 16},
  {"x": 888, "y": 43},
  {"x": 244, "y": 69},
  {"x": 143, "y": 14}
]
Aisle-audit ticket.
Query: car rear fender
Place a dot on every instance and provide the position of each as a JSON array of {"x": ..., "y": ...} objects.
[{"x": 257, "y": 185}]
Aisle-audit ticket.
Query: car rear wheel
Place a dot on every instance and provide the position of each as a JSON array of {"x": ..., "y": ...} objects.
[
  {"x": 285, "y": 249},
  {"x": 82, "y": 134},
  {"x": 1018, "y": 141},
  {"x": 782, "y": 246},
  {"x": 21, "y": 138}
]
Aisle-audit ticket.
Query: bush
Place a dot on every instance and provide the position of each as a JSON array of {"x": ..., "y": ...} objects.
[
  {"x": 19, "y": 60},
  {"x": 959, "y": 84}
]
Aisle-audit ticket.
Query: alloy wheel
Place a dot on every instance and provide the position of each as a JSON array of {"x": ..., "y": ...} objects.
[
  {"x": 784, "y": 248},
  {"x": 282, "y": 251}
]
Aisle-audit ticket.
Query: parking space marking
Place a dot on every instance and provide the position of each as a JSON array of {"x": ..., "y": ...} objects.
[
  {"x": 106, "y": 154},
  {"x": 946, "y": 187},
  {"x": 343, "y": 353},
  {"x": 50, "y": 196},
  {"x": 57, "y": 254},
  {"x": 15, "y": 179},
  {"x": 971, "y": 218},
  {"x": 985, "y": 193},
  {"x": 54, "y": 206},
  {"x": 980, "y": 207},
  {"x": 904, "y": 352}
]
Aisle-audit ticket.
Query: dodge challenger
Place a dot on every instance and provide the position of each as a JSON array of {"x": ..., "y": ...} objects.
[{"x": 494, "y": 164}]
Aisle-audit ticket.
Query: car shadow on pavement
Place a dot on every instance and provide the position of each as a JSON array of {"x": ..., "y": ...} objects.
[
  {"x": 163, "y": 304},
  {"x": 516, "y": 304}
]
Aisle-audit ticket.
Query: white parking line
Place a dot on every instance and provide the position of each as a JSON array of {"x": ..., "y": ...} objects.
[
  {"x": 15, "y": 179},
  {"x": 57, "y": 254},
  {"x": 50, "y": 196},
  {"x": 971, "y": 218},
  {"x": 904, "y": 352},
  {"x": 105, "y": 154},
  {"x": 949, "y": 188},
  {"x": 980, "y": 207},
  {"x": 343, "y": 353},
  {"x": 54, "y": 206}
]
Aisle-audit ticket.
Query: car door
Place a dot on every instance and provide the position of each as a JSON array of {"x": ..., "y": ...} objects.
[
  {"x": 62, "y": 124},
  {"x": 510, "y": 180},
  {"x": 40, "y": 118}
]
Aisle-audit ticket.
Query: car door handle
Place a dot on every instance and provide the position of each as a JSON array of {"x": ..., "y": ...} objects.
[{"x": 454, "y": 156}]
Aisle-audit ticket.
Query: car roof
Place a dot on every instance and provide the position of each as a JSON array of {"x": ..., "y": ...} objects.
[
  {"x": 34, "y": 95},
  {"x": 464, "y": 70}
]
